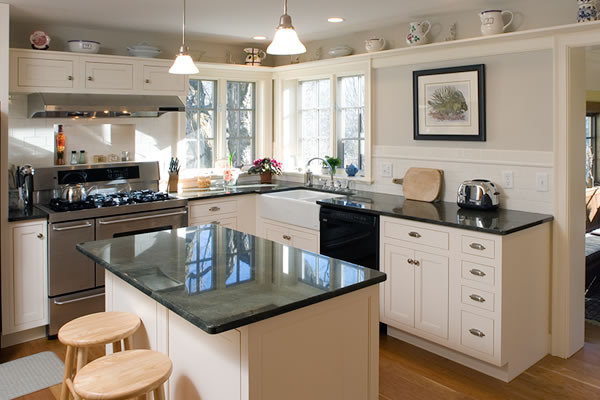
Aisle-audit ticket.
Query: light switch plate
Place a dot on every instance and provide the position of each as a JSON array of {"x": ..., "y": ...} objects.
[
  {"x": 507, "y": 179},
  {"x": 541, "y": 182},
  {"x": 386, "y": 170}
]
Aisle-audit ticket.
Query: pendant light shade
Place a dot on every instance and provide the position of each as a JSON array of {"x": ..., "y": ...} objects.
[
  {"x": 183, "y": 64},
  {"x": 286, "y": 41}
]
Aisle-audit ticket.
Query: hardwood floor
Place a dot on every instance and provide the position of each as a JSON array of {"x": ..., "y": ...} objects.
[{"x": 409, "y": 373}]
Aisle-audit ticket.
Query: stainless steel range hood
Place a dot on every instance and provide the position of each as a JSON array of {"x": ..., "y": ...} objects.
[{"x": 67, "y": 105}]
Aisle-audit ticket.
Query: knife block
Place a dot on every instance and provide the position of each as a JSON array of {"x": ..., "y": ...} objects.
[{"x": 173, "y": 183}]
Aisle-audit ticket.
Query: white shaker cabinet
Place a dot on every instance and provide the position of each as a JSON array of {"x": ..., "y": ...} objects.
[
  {"x": 291, "y": 235},
  {"x": 24, "y": 278},
  {"x": 157, "y": 79},
  {"x": 40, "y": 71},
  {"x": 235, "y": 212},
  {"x": 108, "y": 74}
]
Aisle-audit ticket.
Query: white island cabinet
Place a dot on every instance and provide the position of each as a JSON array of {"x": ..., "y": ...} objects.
[{"x": 246, "y": 318}]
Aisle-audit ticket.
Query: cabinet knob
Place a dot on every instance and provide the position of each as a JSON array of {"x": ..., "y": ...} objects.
[
  {"x": 414, "y": 234},
  {"x": 215, "y": 208},
  {"x": 90, "y": 78},
  {"x": 287, "y": 237},
  {"x": 477, "y": 298},
  {"x": 70, "y": 77},
  {"x": 417, "y": 263},
  {"x": 40, "y": 235},
  {"x": 410, "y": 261},
  {"x": 477, "y": 272},
  {"x": 147, "y": 80},
  {"x": 477, "y": 246},
  {"x": 476, "y": 332}
]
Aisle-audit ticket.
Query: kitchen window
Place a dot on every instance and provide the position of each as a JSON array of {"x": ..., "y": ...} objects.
[
  {"x": 314, "y": 115},
  {"x": 215, "y": 130},
  {"x": 350, "y": 120}
]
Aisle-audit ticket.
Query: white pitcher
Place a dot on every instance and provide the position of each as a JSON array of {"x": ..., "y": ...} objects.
[
  {"x": 417, "y": 34},
  {"x": 492, "y": 21},
  {"x": 374, "y": 44},
  {"x": 254, "y": 56}
]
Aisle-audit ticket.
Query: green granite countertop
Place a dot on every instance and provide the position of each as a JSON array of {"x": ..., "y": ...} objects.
[{"x": 220, "y": 279}]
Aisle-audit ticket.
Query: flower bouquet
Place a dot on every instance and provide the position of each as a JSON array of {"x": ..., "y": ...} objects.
[{"x": 266, "y": 167}]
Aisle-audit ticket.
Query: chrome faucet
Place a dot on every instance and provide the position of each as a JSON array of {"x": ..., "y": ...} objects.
[{"x": 308, "y": 174}]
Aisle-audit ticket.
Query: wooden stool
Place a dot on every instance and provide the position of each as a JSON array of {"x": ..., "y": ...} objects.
[
  {"x": 92, "y": 330},
  {"x": 123, "y": 375}
]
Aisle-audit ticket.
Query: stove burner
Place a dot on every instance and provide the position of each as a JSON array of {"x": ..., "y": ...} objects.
[{"x": 109, "y": 200}]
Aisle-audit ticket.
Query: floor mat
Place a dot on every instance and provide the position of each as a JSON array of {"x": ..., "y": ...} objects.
[
  {"x": 592, "y": 310},
  {"x": 29, "y": 374}
]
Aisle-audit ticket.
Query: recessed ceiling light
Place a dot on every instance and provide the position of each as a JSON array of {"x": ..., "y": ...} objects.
[
  {"x": 259, "y": 37},
  {"x": 335, "y": 19}
]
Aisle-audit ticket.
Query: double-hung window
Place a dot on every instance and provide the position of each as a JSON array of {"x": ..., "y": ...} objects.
[
  {"x": 350, "y": 120},
  {"x": 314, "y": 116},
  {"x": 215, "y": 128}
]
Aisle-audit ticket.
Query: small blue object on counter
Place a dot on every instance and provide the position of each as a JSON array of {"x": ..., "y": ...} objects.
[{"x": 351, "y": 169}]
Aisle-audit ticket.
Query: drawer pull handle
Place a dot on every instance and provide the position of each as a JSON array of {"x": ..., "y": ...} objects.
[
  {"x": 287, "y": 237},
  {"x": 40, "y": 235},
  {"x": 70, "y": 77},
  {"x": 477, "y": 272},
  {"x": 417, "y": 263},
  {"x": 477, "y": 246},
  {"x": 414, "y": 234},
  {"x": 90, "y": 78},
  {"x": 476, "y": 297},
  {"x": 213, "y": 209},
  {"x": 147, "y": 81},
  {"x": 476, "y": 332},
  {"x": 216, "y": 222},
  {"x": 410, "y": 261}
]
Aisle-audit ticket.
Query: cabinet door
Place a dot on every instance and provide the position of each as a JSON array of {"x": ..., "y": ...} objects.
[
  {"x": 304, "y": 240},
  {"x": 228, "y": 221},
  {"x": 104, "y": 75},
  {"x": 399, "y": 288},
  {"x": 27, "y": 305},
  {"x": 431, "y": 293},
  {"x": 277, "y": 233},
  {"x": 158, "y": 79},
  {"x": 45, "y": 73}
]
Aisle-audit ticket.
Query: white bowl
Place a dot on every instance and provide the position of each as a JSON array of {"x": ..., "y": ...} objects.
[
  {"x": 83, "y": 46},
  {"x": 340, "y": 51},
  {"x": 143, "y": 49}
]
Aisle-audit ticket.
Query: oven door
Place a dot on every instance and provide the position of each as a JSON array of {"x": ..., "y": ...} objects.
[{"x": 133, "y": 224}]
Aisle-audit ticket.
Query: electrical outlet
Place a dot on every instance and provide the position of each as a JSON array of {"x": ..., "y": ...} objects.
[
  {"x": 507, "y": 179},
  {"x": 386, "y": 170},
  {"x": 541, "y": 182}
]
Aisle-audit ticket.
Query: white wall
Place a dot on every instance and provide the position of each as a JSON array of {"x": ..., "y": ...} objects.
[
  {"x": 519, "y": 130},
  {"x": 592, "y": 69},
  {"x": 528, "y": 15}
]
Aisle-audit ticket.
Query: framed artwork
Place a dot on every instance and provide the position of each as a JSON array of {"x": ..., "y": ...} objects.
[{"x": 449, "y": 103}]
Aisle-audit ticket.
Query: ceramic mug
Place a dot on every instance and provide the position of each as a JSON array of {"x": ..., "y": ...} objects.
[
  {"x": 492, "y": 21},
  {"x": 254, "y": 56},
  {"x": 417, "y": 34}
]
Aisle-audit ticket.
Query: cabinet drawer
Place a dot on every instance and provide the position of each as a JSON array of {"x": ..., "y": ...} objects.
[
  {"x": 478, "y": 246},
  {"x": 477, "y": 298},
  {"x": 227, "y": 222},
  {"x": 214, "y": 208},
  {"x": 477, "y": 332},
  {"x": 478, "y": 273},
  {"x": 414, "y": 234}
]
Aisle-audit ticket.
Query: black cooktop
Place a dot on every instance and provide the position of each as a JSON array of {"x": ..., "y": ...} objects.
[{"x": 109, "y": 200}]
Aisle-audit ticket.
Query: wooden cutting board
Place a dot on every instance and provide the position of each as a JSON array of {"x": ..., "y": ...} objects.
[{"x": 422, "y": 184}]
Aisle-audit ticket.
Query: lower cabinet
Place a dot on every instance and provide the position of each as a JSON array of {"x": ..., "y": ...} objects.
[
  {"x": 24, "y": 278},
  {"x": 416, "y": 291},
  {"x": 230, "y": 213},
  {"x": 295, "y": 236}
]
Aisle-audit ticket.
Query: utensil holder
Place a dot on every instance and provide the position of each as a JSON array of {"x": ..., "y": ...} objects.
[{"x": 173, "y": 183}]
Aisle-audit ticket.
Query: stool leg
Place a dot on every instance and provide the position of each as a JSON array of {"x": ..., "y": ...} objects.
[
  {"x": 64, "y": 392},
  {"x": 117, "y": 346},
  {"x": 81, "y": 357},
  {"x": 159, "y": 393},
  {"x": 129, "y": 343}
]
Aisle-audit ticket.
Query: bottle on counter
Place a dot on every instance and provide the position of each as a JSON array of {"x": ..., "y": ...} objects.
[
  {"x": 82, "y": 157},
  {"x": 74, "y": 157},
  {"x": 60, "y": 147}
]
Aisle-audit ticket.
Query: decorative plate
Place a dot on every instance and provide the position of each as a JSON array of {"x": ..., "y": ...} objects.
[{"x": 39, "y": 40}]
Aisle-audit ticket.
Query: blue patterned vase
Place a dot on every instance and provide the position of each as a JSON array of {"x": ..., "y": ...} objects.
[
  {"x": 587, "y": 10},
  {"x": 351, "y": 169}
]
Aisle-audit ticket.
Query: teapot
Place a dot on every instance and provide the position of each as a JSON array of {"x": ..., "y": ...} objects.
[
  {"x": 254, "y": 56},
  {"x": 374, "y": 44},
  {"x": 492, "y": 21}
]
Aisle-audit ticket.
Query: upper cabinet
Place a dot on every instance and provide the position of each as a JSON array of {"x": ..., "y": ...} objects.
[{"x": 62, "y": 72}]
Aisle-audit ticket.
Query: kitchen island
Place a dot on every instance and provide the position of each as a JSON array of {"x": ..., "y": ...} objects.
[{"x": 246, "y": 318}]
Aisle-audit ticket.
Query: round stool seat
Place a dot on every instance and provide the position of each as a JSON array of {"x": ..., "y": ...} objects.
[
  {"x": 123, "y": 375},
  {"x": 98, "y": 328}
]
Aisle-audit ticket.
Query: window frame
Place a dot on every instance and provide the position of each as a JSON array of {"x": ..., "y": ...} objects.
[
  {"x": 298, "y": 112},
  {"x": 239, "y": 111}
]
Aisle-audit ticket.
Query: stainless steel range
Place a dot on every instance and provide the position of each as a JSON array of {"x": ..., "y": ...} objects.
[{"x": 123, "y": 201}]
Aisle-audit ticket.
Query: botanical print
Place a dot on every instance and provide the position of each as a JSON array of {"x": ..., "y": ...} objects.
[{"x": 447, "y": 104}]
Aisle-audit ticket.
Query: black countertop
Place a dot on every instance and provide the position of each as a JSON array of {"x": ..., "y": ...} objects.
[
  {"x": 26, "y": 214},
  {"x": 498, "y": 222},
  {"x": 210, "y": 193},
  {"x": 220, "y": 279}
]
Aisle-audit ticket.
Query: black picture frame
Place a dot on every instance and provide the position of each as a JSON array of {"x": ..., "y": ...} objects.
[{"x": 475, "y": 131}]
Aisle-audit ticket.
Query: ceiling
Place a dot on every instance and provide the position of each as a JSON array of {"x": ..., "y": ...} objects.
[{"x": 236, "y": 20}]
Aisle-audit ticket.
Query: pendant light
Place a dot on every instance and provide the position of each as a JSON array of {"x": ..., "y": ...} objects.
[
  {"x": 285, "y": 41},
  {"x": 183, "y": 65}
]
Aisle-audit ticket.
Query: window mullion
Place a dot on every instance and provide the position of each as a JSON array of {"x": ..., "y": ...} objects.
[
  {"x": 333, "y": 115},
  {"x": 220, "y": 139}
]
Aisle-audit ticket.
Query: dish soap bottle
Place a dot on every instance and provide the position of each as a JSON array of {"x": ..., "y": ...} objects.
[{"x": 60, "y": 147}]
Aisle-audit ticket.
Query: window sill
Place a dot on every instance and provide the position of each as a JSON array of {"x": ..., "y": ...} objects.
[{"x": 300, "y": 176}]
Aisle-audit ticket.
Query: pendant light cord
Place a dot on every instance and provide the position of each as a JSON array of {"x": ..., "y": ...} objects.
[
  {"x": 284, "y": 7},
  {"x": 183, "y": 28}
]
